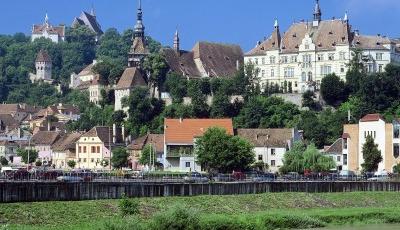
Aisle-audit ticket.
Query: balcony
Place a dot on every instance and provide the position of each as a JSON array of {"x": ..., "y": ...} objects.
[{"x": 179, "y": 151}]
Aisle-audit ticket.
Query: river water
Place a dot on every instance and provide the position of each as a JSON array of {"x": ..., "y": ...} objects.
[{"x": 365, "y": 227}]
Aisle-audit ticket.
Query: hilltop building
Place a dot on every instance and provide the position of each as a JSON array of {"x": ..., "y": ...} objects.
[
  {"x": 89, "y": 20},
  {"x": 206, "y": 59},
  {"x": 46, "y": 30},
  {"x": 308, "y": 51},
  {"x": 133, "y": 75},
  {"x": 43, "y": 67}
]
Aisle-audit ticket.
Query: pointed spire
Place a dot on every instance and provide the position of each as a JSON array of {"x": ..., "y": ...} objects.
[
  {"x": 92, "y": 11},
  {"x": 317, "y": 12},
  {"x": 176, "y": 41},
  {"x": 346, "y": 17},
  {"x": 276, "y": 25},
  {"x": 46, "y": 21},
  {"x": 139, "y": 27}
]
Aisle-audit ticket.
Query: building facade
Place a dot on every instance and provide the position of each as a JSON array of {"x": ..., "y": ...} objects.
[
  {"x": 179, "y": 141},
  {"x": 43, "y": 67},
  {"x": 46, "y": 30},
  {"x": 385, "y": 135},
  {"x": 270, "y": 145},
  {"x": 308, "y": 51}
]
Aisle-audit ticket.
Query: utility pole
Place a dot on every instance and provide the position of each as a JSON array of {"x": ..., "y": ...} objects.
[{"x": 29, "y": 148}]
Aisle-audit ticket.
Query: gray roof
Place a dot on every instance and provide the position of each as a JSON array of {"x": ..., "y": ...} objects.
[
  {"x": 88, "y": 20},
  {"x": 132, "y": 77},
  {"x": 267, "y": 137}
]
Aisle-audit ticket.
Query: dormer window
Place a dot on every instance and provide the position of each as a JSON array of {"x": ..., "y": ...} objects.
[
  {"x": 294, "y": 35},
  {"x": 378, "y": 43},
  {"x": 320, "y": 44},
  {"x": 297, "y": 46},
  {"x": 330, "y": 32}
]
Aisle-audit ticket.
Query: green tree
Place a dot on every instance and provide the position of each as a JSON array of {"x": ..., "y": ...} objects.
[
  {"x": 3, "y": 161},
  {"x": 309, "y": 100},
  {"x": 371, "y": 154},
  {"x": 176, "y": 85},
  {"x": 157, "y": 68},
  {"x": 23, "y": 153},
  {"x": 315, "y": 161},
  {"x": 200, "y": 109},
  {"x": 147, "y": 153},
  {"x": 293, "y": 159},
  {"x": 118, "y": 117},
  {"x": 221, "y": 106},
  {"x": 71, "y": 164},
  {"x": 217, "y": 150},
  {"x": 396, "y": 169},
  {"x": 332, "y": 89},
  {"x": 119, "y": 158}
]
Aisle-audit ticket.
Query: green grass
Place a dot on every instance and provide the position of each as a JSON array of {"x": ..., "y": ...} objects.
[{"x": 327, "y": 208}]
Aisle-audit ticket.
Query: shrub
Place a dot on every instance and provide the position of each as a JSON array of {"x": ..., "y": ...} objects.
[
  {"x": 222, "y": 222},
  {"x": 290, "y": 222},
  {"x": 177, "y": 218},
  {"x": 128, "y": 206}
]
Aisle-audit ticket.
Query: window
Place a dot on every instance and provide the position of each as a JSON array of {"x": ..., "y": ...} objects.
[
  {"x": 84, "y": 160},
  {"x": 79, "y": 149},
  {"x": 93, "y": 149},
  {"x": 396, "y": 150},
  {"x": 379, "y": 56},
  {"x": 337, "y": 158},
  {"x": 79, "y": 160},
  {"x": 342, "y": 55},
  {"x": 331, "y": 57},
  {"x": 256, "y": 61},
  {"x": 272, "y": 162},
  {"x": 310, "y": 76},
  {"x": 307, "y": 61},
  {"x": 263, "y": 61},
  {"x": 84, "y": 149},
  {"x": 306, "y": 46},
  {"x": 92, "y": 160},
  {"x": 262, "y": 73},
  {"x": 396, "y": 130},
  {"x": 272, "y": 72},
  {"x": 260, "y": 157},
  {"x": 98, "y": 149},
  {"x": 294, "y": 59},
  {"x": 303, "y": 77},
  {"x": 272, "y": 60},
  {"x": 295, "y": 84},
  {"x": 344, "y": 143},
  {"x": 344, "y": 159},
  {"x": 380, "y": 68},
  {"x": 272, "y": 152},
  {"x": 187, "y": 164},
  {"x": 288, "y": 72},
  {"x": 284, "y": 59},
  {"x": 325, "y": 70},
  {"x": 320, "y": 57},
  {"x": 374, "y": 134},
  {"x": 342, "y": 69}
]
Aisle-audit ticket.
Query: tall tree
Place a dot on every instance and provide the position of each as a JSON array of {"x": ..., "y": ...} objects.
[
  {"x": 371, "y": 154},
  {"x": 156, "y": 67},
  {"x": 26, "y": 154},
  {"x": 119, "y": 158},
  {"x": 332, "y": 89}
]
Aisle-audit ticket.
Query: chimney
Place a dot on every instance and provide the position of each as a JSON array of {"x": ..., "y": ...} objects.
[
  {"x": 48, "y": 126},
  {"x": 237, "y": 65},
  {"x": 114, "y": 133},
  {"x": 123, "y": 132}
]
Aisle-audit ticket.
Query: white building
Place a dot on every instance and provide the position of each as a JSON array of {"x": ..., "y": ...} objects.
[
  {"x": 308, "y": 51},
  {"x": 46, "y": 30},
  {"x": 43, "y": 67},
  {"x": 270, "y": 145}
]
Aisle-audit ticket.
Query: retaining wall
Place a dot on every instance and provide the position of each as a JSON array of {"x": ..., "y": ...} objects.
[{"x": 56, "y": 191}]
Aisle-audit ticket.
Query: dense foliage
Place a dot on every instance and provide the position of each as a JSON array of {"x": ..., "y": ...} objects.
[
  {"x": 371, "y": 154},
  {"x": 218, "y": 151},
  {"x": 119, "y": 158},
  {"x": 28, "y": 155}
]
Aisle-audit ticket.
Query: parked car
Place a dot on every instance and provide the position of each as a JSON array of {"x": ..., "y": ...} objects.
[
  {"x": 291, "y": 176},
  {"x": 223, "y": 178},
  {"x": 69, "y": 179},
  {"x": 347, "y": 175},
  {"x": 20, "y": 174},
  {"x": 238, "y": 176},
  {"x": 379, "y": 176},
  {"x": 264, "y": 177},
  {"x": 195, "y": 177}
]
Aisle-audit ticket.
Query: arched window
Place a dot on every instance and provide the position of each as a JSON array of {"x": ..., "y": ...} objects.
[
  {"x": 310, "y": 76},
  {"x": 303, "y": 77}
]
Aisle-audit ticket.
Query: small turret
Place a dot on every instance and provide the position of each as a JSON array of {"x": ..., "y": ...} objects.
[
  {"x": 176, "y": 41},
  {"x": 317, "y": 14}
]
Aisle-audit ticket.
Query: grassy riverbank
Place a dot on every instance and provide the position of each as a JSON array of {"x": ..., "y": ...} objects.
[{"x": 263, "y": 211}]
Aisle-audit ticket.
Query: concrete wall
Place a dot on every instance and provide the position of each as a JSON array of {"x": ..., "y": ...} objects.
[{"x": 54, "y": 191}]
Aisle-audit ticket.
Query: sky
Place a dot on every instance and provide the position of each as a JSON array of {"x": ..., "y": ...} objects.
[{"x": 241, "y": 22}]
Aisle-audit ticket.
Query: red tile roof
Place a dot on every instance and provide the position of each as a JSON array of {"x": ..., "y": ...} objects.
[
  {"x": 183, "y": 131},
  {"x": 372, "y": 117}
]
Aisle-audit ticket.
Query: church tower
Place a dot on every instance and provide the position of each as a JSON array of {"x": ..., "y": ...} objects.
[
  {"x": 43, "y": 66},
  {"x": 138, "y": 50},
  {"x": 317, "y": 14},
  {"x": 176, "y": 42}
]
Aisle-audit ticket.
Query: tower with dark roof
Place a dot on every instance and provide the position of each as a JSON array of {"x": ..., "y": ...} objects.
[
  {"x": 138, "y": 50},
  {"x": 176, "y": 41},
  {"x": 317, "y": 12},
  {"x": 43, "y": 66}
]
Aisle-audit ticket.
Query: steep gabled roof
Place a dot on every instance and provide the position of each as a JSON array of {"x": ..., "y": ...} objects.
[
  {"x": 336, "y": 147},
  {"x": 267, "y": 137},
  {"x": 132, "y": 77},
  {"x": 43, "y": 56},
  {"x": 88, "y": 20},
  {"x": 183, "y": 131},
  {"x": 40, "y": 29},
  {"x": 139, "y": 46},
  {"x": 156, "y": 140},
  {"x": 66, "y": 142},
  {"x": 371, "y": 42},
  {"x": 45, "y": 137},
  {"x": 181, "y": 63},
  {"x": 105, "y": 133},
  {"x": 272, "y": 43}
]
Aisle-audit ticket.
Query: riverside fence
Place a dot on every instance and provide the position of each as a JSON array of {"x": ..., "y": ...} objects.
[{"x": 58, "y": 191}]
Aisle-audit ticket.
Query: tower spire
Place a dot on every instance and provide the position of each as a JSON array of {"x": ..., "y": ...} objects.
[
  {"x": 176, "y": 41},
  {"x": 346, "y": 17},
  {"x": 276, "y": 25},
  {"x": 139, "y": 27},
  {"x": 317, "y": 12}
]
